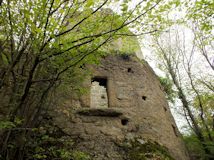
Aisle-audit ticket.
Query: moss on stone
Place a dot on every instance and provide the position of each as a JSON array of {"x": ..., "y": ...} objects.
[
  {"x": 147, "y": 151},
  {"x": 78, "y": 155}
]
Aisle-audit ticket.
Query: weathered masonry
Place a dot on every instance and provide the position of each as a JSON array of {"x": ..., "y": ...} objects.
[{"x": 124, "y": 102}]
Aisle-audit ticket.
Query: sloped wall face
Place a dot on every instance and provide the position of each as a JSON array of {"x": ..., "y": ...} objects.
[{"x": 136, "y": 108}]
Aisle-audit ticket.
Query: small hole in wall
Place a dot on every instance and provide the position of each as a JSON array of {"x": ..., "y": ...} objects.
[
  {"x": 165, "y": 109},
  {"x": 129, "y": 70},
  {"x": 124, "y": 121},
  {"x": 103, "y": 97},
  {"x": 144, "y": 98}
]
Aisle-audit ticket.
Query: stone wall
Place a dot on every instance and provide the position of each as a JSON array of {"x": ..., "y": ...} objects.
[{"x": 137, "y": 109}]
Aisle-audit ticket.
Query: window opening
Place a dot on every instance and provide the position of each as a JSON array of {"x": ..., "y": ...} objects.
[{"x": 99, "y": 96}]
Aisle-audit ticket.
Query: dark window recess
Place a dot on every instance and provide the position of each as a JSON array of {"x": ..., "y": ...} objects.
[
  {"x": 124, "y": 121},
  {"x": 175, "y": 130},
  {"x": 130, "y": 70},
  {"x": 102, "y": 81},
  {"x": 144, "y": 98}
]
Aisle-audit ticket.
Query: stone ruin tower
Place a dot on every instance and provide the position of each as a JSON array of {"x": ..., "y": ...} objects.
[{"x": 125, "y": 101}]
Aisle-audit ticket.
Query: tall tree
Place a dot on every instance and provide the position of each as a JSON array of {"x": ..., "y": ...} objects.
[{"x": 181, "y": 62}]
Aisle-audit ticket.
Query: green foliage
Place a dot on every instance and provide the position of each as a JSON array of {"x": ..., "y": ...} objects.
[
  {"x": 5, "y": 60},
  {"x": 207, "y": 102},
  {"x": 196, "y": 149},
  {"x": 167, "y": 85},
  {"x": 49, "y": 142},
  {"x": 201, "y": 12},
  {"x": 194, "y": 146},
  {"x": 148, "y": 150},
  {"x": 6, "y": 125},
  {"x": 78, "y": 155}
]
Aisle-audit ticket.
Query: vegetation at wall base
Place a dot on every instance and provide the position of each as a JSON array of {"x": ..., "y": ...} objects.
[{"x": 147, "y": 150}]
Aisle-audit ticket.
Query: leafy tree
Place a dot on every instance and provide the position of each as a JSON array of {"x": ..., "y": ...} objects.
[
  {"x": 190, "y": 66},
  {"x": 167, "y": 85},
  {"x": 43, "y": 43},
  {"x": 177, "y": 59},
  {"x": 201, "y": 12},
  {"x": 207, "y": 101},
  {"x": 194, "y": 145},
  {"x": 199, "y": 18}
]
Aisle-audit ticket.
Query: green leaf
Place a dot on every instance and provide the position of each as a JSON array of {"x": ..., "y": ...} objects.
[
  {"x": 4, "y": 58},
  {"x": 90, "y": 3},
  {"x": 6, "y": 125}
]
